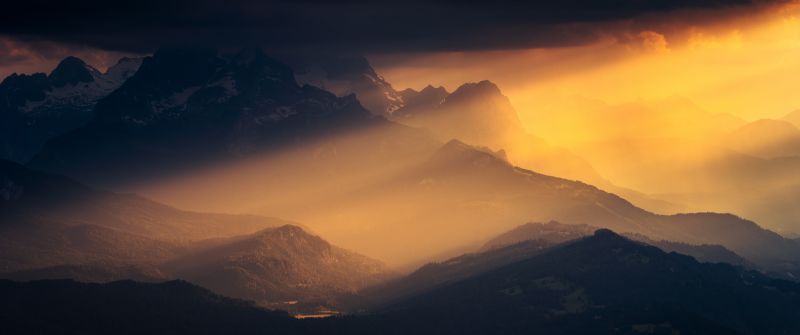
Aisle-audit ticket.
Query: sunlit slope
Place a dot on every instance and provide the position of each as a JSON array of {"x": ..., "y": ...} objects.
[
  {"x": 462, "y": 195},
  {"x": 480, "y": 114},
  {"x": 53, "y": 227},
  {"x": 283, "y": 268}
]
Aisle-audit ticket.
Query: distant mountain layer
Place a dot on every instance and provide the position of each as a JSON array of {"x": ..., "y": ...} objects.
[
  {"x": 37, "y": 107},
  {"x": 725, "y": 164},
  {"x": 469, "y": 194},
  {"x": 793, "y": 117},
  {"x": 766, "y": 139}
]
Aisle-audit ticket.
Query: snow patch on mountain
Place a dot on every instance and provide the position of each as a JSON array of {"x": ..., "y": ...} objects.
[
  {"x": 346, "y": 76},
  {"x": 84, "y": 95},
  {"x": 280, "y": 113},
  {"x": 177, "y": 99}
]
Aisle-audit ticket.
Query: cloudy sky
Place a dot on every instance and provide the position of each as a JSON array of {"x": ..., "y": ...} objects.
[
  {"x": 347, "y": 26},
  {"x": 527, "y": 47}
]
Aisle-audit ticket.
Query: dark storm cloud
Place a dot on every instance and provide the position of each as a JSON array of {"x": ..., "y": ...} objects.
[{"x": 359, "y": 26}]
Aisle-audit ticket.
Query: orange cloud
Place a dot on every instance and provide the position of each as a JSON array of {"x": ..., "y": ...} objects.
[{"x": 653, "y": 41}]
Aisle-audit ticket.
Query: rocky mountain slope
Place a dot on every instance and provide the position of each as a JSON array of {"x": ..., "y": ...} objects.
[{"x": 37, "y": 107}]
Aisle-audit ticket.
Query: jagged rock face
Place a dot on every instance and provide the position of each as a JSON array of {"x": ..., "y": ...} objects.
[
  {"x": 477, "y": 113},
  {"x": 72, "y": 71},
  {"x": 37, "y": 107},
  {"x": 188, "y": 106},
  {"x": 428, "y": 97},
  {"x": 351, "y": 75}
]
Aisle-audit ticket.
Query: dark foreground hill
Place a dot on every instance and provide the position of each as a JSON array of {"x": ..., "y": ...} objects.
[
  {"x": 602, "y": 284},
  {"x": 607, "y": 284},
  {"x": 554, "y": 233},
  {"x": 126, "y": 307}
]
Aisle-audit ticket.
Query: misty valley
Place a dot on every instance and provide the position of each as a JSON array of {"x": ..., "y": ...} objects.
[{"x": 290, "y": 187}]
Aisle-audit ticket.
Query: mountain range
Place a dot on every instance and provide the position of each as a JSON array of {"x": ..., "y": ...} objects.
[
  {"x": 466, "y": 194},
  {"x": 188, "y": 109},
  {"x": 413, "y": 178},
  {"x": 37, "y": 107},
  {"x": 725, "y": 163},
  {"x": 766, "y": 139}
]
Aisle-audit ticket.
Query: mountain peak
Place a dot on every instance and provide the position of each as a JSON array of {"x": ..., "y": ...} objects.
[
  {"x": 793, "y": 117},
  {"x": 455, "y": 146},
  {"x": 606, "y": 240},
  {"x": 70, "y": 71},
  {"x": 287, "y": 233},
  {"x": 606, "y": 234},
  {"x": 456, "y": 151},
  {"x": 287, "y": 229},
  {"x": 481, "y": 87},
  {"x": 428, "y": 98},
  {"x": 430, "y": 89}
]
